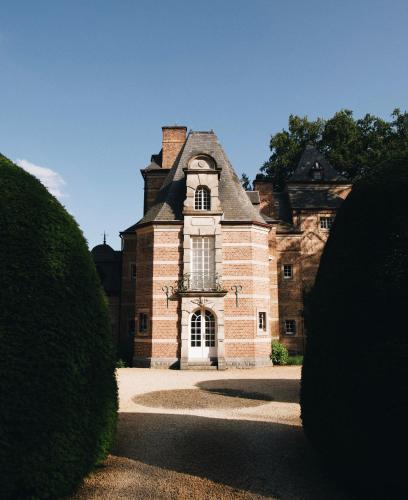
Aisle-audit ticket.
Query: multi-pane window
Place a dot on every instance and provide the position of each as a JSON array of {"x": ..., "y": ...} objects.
[
  {"x": 262, "y": 321},
  {"x": 143, "y": 322},
  {"x": 326, "y": 222},
  {"x": 209, "y": 329},
  {"x": 287, "y": 271},
  {"x": 132, "y": 271},
  {"x": 290, "y": 326},
  {"x": 202, "y": 329},
  {"x": 203, "y": 263},
  {"x": 202, "y": 198}
]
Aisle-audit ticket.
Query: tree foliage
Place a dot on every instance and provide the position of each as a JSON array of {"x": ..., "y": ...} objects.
[
  {"x": 353, "y": 146},
  {"x": 57, "y": 372},
  {"x": 245, "y": 182},
  {"x": 356, "y": 362}
]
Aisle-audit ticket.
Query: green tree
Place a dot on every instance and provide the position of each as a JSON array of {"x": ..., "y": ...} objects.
[
  {"x": 57, "y": 373},
  {"x": 354, "y": 147},
  {"x": 245, "y": 182}
]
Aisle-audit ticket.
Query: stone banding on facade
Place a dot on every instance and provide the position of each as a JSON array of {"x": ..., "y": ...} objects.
[{"x": 219, "y": 253}]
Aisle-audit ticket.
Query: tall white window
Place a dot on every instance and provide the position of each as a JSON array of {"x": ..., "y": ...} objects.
[
  {"x": 202, "y": 198},
  {"x": 203, "y": 263}
]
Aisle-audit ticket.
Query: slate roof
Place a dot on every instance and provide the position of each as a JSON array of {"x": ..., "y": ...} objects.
[
  {"x": 253, "y": 197},
  {"x": 303, "y": 171},
  {"x": 235, "y": 203},
  {"x": 313, "y": 198}
]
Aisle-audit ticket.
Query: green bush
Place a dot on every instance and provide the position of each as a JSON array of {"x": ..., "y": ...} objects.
[
  {"x": 279, "y": 354},
  {"x": 354, "y": 377},
  {"x": 296, "y": 360},
  {"x": 57, "y": 373}
]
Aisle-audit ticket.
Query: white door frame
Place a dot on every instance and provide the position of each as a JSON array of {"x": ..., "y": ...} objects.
[{"x": 202, "y": 334}]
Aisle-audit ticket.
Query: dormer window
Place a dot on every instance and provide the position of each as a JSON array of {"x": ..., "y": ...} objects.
[
  {"x": 202, "y": 198},
  {"x": 317, "y": 171}
]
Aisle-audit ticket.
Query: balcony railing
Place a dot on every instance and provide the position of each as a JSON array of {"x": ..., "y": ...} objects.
[{"x": 199, "y": 281}]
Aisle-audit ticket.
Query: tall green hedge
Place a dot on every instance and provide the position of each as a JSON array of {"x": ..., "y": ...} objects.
[
  {"x": 354, "y": 379},
  {"x": 58, "y": 394}
]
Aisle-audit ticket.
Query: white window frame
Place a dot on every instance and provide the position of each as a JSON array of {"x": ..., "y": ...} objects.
[
  {"x": 262, "y": 324},
  {"x": 202, "y": 199},
  {"x": 289, "y": 266},
  {"x": 202, "y": 262},
  {"x": 290, "y": 324},
  {"x": 326, "y": 222}
]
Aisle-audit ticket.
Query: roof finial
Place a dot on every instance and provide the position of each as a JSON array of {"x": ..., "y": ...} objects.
[{"x": 104, "y": 238}]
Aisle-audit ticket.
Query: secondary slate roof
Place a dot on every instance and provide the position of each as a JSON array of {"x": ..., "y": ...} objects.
[
  {"x": 309, "y": 198},
  {"x": 303, "y": 171},
  {"x": 254, "y": 197},
  {"x": 235, "y": 203}
]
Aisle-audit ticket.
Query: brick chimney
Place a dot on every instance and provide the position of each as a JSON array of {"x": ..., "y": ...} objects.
[
  {"x": 173, "y": 140},
  {"x": 265, "y": 189}
]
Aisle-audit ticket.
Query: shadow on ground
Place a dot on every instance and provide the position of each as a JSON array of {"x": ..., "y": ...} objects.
[
  {"x": 260, "y": 458},
  {"x": 282, "y": 390}
]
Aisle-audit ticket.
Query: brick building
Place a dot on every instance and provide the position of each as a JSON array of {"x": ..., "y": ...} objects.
[{"x": 212, "y": 273}]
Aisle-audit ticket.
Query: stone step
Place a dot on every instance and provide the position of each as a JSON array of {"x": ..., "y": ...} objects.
[
  {"x": 199, "y": 367},
  {"x": 204, "y": 364}
]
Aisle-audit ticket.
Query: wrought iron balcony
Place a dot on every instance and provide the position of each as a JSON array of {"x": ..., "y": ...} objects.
[{"x": 199, "y": 282}]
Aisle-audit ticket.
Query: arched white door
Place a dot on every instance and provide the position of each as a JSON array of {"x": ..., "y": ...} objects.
[{"x": 202, "y": 335}]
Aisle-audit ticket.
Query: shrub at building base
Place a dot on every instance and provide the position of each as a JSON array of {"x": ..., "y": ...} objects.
[
  {"x": 280, "y": 354},
  {"x": 353, "y": 394},
  {"x": 57, "y": 384}
]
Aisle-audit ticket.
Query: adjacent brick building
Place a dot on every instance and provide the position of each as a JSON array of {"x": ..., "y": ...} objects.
[{"x": 212, "y": 273}]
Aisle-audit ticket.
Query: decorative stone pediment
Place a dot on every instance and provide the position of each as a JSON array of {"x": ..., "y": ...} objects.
[{"x": 202, "y": 163}]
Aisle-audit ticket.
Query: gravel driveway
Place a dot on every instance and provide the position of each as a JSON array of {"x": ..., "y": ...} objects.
[{"x": 209, "y": 435}]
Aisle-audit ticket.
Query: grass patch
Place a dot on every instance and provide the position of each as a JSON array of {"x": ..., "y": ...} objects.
[{"x": 295, "y": 360}]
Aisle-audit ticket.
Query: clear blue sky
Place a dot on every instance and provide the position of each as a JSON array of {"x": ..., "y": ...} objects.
[{"x": 85, "y": 86}]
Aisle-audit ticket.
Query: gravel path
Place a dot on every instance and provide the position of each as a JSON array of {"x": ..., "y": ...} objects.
[{"x": 209, "y": 435}]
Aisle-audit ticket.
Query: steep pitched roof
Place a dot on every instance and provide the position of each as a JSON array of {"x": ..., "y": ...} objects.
[
  {"x": 234, "y": 201},
  {"x": 303, "y": 172}
]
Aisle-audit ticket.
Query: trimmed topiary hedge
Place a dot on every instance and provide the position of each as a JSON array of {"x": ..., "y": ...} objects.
[
  {"x": 354, "y": 378},
  {"x": 57, "y": 370}
]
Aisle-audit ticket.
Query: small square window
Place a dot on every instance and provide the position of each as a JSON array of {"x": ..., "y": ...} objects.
[
  {"x": 288, "y": 271},
  {"x": 143, "y": 322},
  {"x": 290, "y": 327},
  {"x": 133, "y": 271},
  {"x": 262, "y": 322},
  {"x": 326, "y": 222}
]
